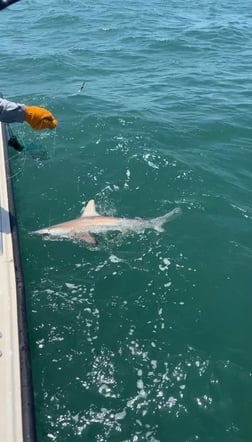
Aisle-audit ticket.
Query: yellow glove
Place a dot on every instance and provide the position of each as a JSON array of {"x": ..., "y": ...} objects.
[{"x": 39, "y": 118}]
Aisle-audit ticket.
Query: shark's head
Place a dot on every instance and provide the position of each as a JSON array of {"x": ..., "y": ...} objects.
[
  {"x": 42, "y": 232},
  {"x": 49, "y": 232}
]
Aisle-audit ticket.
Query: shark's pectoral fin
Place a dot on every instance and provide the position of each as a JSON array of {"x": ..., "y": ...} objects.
[
  {"x": 90, "y": 210},
  {"x": 86, "y": 237},
  {"x": 89, "y": 239}
]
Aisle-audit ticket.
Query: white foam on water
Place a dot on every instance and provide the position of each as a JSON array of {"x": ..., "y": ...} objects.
[
  {"x": 140, "y": 384},
  {"x": 121, "y": 415},
  {"x": 71, "y": 286},
  {"x": 115, "y": 259}
]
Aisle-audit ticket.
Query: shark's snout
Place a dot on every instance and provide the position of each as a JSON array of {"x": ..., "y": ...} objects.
[{"x": 42, "y": 232}]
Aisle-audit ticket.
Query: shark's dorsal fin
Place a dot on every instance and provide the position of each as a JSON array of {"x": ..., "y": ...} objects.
[{"x": 90, "y": 210}]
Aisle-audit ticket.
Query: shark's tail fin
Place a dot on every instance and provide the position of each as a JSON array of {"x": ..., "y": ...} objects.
[{"x": 157, "y": 223}]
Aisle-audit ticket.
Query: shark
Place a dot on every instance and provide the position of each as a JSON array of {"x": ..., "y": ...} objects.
[{"x": 91, "y": 222}]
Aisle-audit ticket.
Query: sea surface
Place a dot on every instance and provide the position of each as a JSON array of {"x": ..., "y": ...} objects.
[{"x": 147, "y": 336}]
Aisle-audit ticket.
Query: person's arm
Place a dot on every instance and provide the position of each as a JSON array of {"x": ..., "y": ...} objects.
[
  {"x": 38, "y": 117},
  {"x": 11, "y": 112}
]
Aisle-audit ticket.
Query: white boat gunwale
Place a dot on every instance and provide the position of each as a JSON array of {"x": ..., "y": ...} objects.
[{"x": 17, "y": 421}]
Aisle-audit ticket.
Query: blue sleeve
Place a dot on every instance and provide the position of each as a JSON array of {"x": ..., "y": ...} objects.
[{"x": 11, "y": 112}]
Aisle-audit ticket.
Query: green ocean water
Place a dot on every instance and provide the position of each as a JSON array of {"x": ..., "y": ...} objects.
[{"x": 146, "y": 337}]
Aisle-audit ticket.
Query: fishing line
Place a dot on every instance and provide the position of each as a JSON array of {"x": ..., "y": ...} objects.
[
  {"x": 35, "y": 151},
  {"x": 13, "y": 141},
  {"x": 54, "y": 142},
  {"x": 21, "y": 168},
  {"x": 19, "y": 146}
]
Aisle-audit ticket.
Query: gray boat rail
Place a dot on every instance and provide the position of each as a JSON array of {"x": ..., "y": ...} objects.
[{"x": 17, "y": 422}]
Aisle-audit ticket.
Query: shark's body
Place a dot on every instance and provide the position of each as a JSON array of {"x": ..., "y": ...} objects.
[{"x": 91, "y": 221}]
